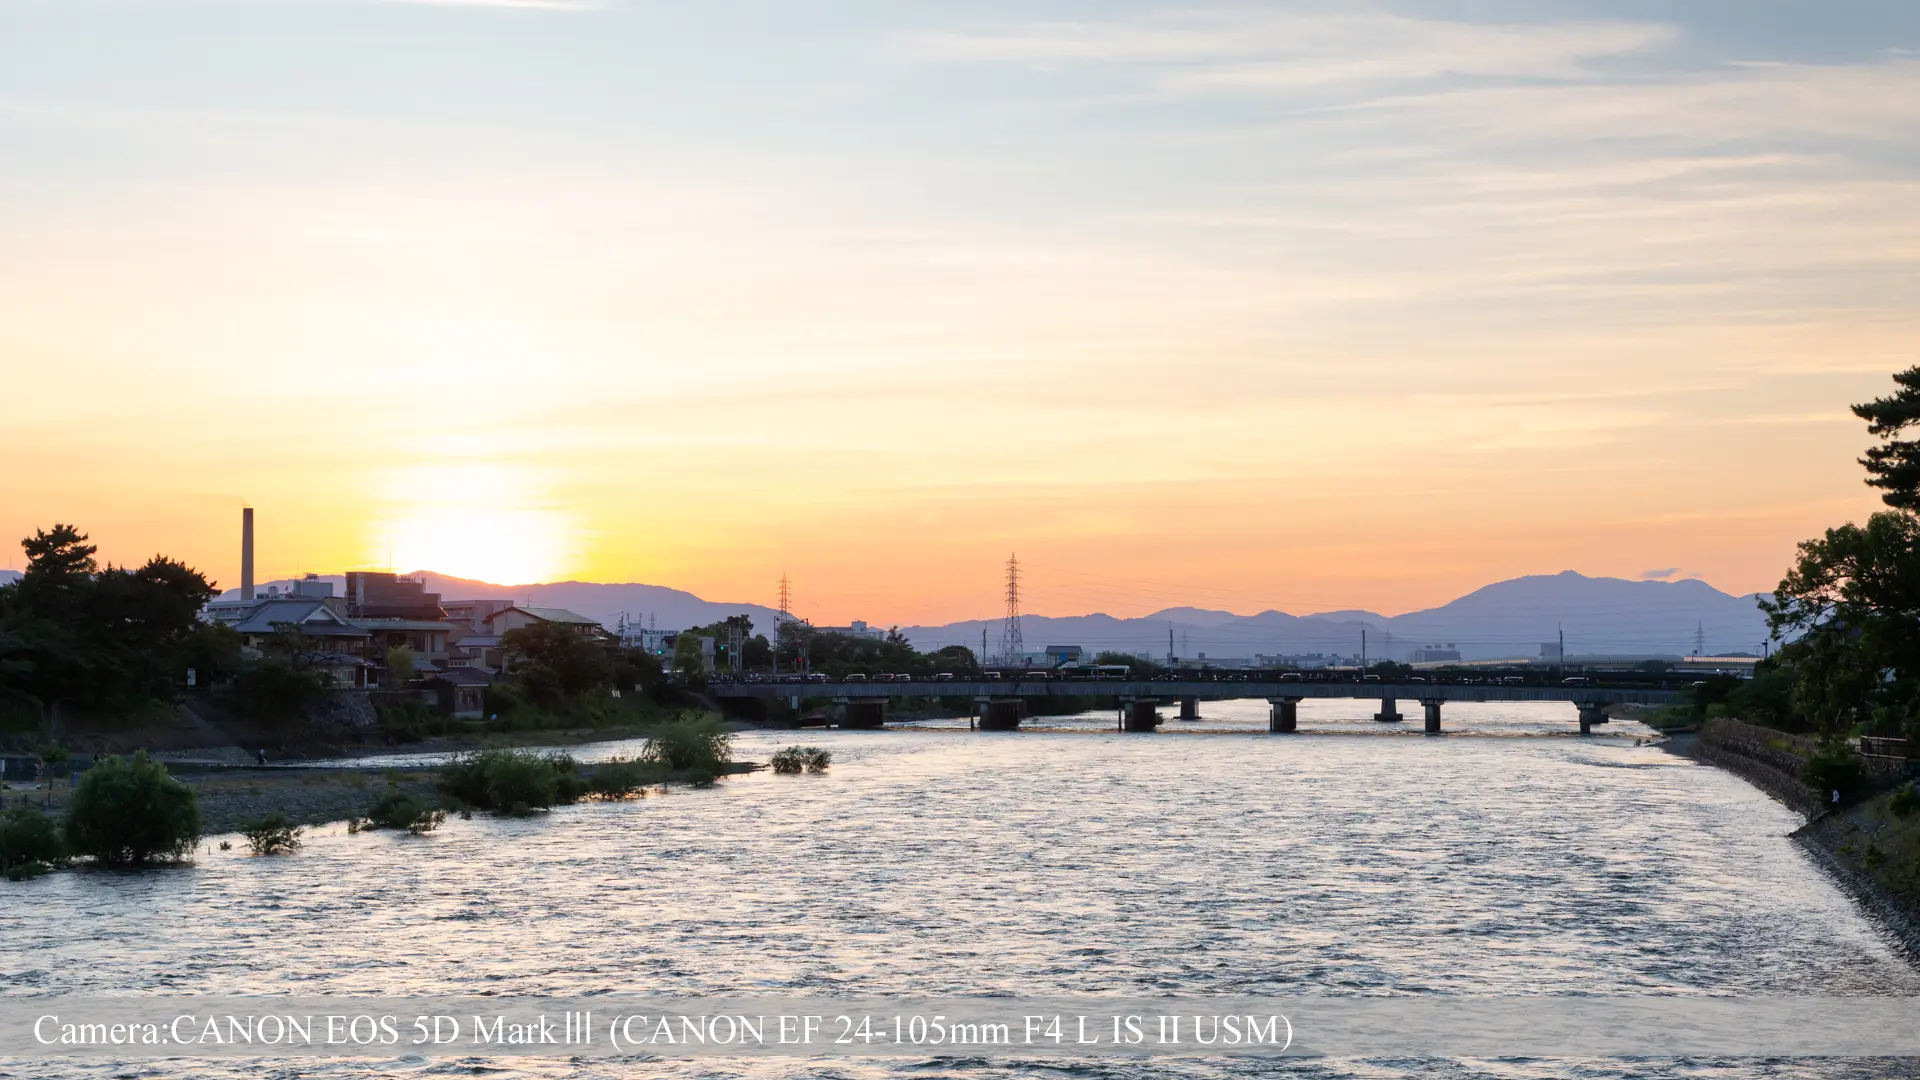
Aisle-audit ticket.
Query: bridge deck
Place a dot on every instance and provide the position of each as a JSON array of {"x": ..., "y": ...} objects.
[{"x": 1207, "y": 690}]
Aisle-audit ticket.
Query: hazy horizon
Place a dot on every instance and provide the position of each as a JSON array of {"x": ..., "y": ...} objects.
[{"x": 522, "y": 590}]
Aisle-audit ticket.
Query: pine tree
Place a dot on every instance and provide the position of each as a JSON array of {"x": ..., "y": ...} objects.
[{"x": 1895, "y": 466}]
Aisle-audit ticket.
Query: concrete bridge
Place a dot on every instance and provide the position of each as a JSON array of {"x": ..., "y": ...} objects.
[{"x": 1000, "y": 704}]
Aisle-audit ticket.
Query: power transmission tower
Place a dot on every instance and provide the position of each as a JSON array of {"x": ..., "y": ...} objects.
[
  {"x": 1170, "y": 659},
  {"x": 784, "y": 615},
  {"x": 1010, "y": 633},
  {"x": 1699, "y": 639}
]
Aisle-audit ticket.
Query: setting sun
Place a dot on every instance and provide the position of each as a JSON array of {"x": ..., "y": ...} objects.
[{"x": 479, "y": 522}]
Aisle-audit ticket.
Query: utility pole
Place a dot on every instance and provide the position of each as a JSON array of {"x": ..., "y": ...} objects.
[
  {"x": 1170, "y": 657},
  {"x": 1563, "y": 644},
  {"x": 1363, "y": 648},
  {"x": 983, "y": 644}
]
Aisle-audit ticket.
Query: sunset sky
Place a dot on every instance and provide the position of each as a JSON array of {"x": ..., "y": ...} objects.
[{"x": 1278, "y": 306}]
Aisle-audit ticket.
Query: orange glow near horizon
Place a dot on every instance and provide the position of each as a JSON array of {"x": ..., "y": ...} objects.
[{"x": 1230, "y": 309}]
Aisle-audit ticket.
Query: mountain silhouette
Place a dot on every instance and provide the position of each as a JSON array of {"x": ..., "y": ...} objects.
[{"x": 1506, "y": 619}]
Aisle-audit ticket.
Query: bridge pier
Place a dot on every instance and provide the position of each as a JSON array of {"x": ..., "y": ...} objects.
[
  {"x": 1433, "y": 715},
  {"x": 1591, "y": 715},
  {"x": 1138, "y": 714},
  {"x": 1189, "y": 708},
  {"x": 861, "y": 714},
  {"x": 1389, "y": 712},
  {"x": 1000, "y": 715},
  {"x": 1285, "y": 715}
]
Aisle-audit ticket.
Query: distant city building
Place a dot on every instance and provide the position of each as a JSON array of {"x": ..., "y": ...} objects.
[
  {"x": 1436, "y": 654},
  {"x": 472, "y": 614},
  {"x": 656, "y": 642},
  {"x": 1062, "y": 655},
  {"x": 378, "y": 595},
  {"x": 1550, "y": 652},
  {"x": 858, "y": 628}
]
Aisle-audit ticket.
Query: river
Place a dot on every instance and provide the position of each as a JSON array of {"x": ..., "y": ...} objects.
[{"x": 1509, "y": 857}]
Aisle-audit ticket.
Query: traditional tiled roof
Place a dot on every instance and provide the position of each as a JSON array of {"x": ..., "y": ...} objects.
[
  {"x": 313, "y": 618},
  {"x": 549, "y": 614}
]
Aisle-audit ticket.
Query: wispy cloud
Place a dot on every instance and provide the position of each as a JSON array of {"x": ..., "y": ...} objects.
[
  {"x": 1659, "y": 575},
  {"x": 1249, "y": 51}
]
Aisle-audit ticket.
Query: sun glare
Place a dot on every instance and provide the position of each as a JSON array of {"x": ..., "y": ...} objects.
[
  {"x": 504, "y": 537},
  {"x": 504, "y": 547}
]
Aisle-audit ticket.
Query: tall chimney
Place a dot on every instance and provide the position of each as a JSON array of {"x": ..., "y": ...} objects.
[{"x": 246, "y": 555}]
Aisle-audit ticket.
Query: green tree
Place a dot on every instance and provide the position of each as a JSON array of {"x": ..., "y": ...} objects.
[
  {"x": 955, "y": 658},
  {"x": 688, "y": 655},
  {"x": 129, "y": 811},
  {"x": 1894, "y": 466},
  {"x": 556, "y": 664},
  {"x": 1142, "y": 669},
  {"x": 756, "y": 653},
  {"x": 636, "y": 671},
  {"x": 213, "y": 651},
  {"x": 399, "y": 665},
  {"x": 29, "y": 837},
  {"x": 1848, "y": 608},
  {"x": 72, "y": 632},
  {"x": 280, "y": 685}
]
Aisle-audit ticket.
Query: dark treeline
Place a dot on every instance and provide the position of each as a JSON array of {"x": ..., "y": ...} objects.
[
  {"x": 79, "y": 635},
  {"x": 802, "y": 647},
  {"x": 1849, "y": 608}
]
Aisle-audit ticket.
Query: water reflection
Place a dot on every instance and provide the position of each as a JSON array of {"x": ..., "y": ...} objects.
[{"x": 1082, "y": 863}]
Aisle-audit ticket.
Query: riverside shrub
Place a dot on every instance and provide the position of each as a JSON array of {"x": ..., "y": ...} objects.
[
  {"x": 272, "y": 835},
  {"x": 691, "y": 744},
  {"x": 29, "y": 838},
  {"x": 619, "y": 778},
  {"x": 1905, "y": 802},
  {"x": 799, "y": 759},
  {"x": 513, "y": 781},
  {"x": 1834, "y": 767},
  {"x": 128, "y": 811},
  {"x": 402, "y": 811}
]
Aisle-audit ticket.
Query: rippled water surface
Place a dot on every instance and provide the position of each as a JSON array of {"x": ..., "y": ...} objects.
[{"x": 1211, "y": 859}]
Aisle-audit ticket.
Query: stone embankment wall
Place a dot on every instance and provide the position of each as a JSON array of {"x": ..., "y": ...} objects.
[
  {"x": 1769, "y": 760},
  {"x": 1869, "y": 847}
]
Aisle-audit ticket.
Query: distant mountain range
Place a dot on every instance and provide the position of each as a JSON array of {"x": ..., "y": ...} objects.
[
  {"x": 9, "y": 575},
  {"x": 1506, "y": 619}
]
